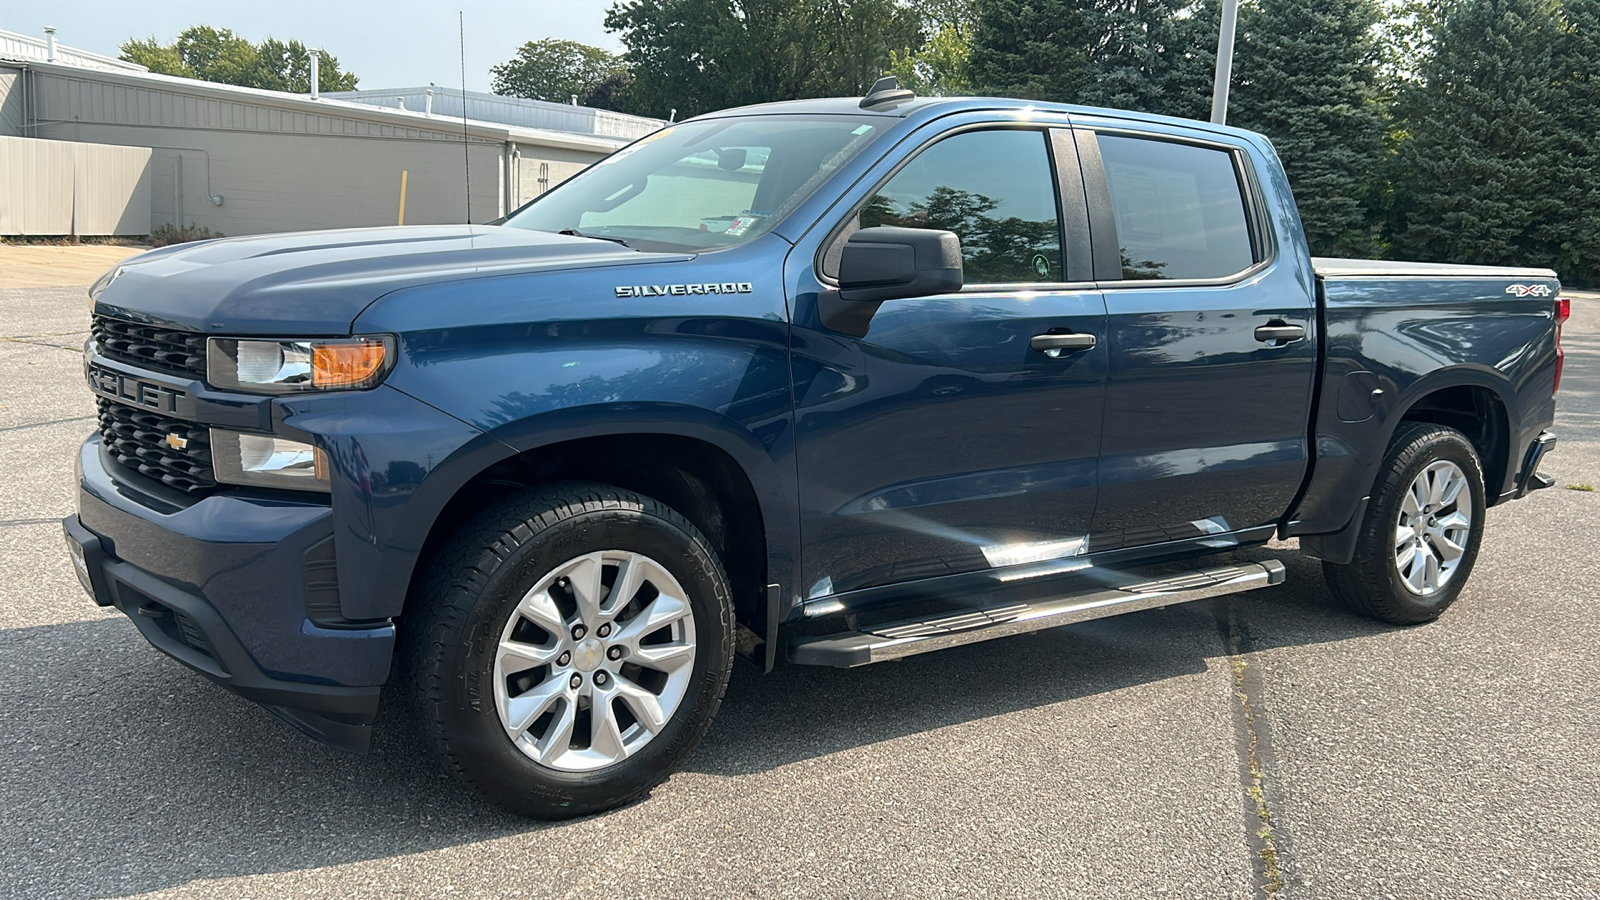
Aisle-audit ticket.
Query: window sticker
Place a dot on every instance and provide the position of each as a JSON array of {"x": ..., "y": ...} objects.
[{"x": 741, "y": 225}]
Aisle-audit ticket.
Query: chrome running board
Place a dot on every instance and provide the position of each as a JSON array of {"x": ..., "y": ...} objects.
[{"x": 909, "y": 637}]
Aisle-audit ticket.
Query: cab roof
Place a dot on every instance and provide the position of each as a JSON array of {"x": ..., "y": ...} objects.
[{"x": 938, "y": 106}]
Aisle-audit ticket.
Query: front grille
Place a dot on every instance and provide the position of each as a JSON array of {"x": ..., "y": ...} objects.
[
  {"x": 137, "y": 438},
  {"x": 162, "y": 349}
]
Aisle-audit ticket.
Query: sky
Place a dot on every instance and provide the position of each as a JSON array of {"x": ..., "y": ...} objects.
[{"x": 397, "y": 43}]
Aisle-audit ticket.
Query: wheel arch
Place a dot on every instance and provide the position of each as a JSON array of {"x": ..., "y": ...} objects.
[
  {"x": 1473, "y": 400},
  {"x": 709, "y": 468}
]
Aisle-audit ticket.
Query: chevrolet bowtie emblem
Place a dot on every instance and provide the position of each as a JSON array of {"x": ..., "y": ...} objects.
[{"x": 176, "y": 442}]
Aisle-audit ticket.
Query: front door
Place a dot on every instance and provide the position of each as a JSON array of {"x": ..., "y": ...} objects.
[{"x": 942, "y": 441}]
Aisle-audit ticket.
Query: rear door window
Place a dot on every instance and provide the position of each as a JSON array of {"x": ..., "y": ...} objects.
[{"x": 1179, "y": 209}]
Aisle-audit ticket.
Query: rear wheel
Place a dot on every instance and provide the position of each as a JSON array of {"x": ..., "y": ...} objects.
[
  {"x": 570, "y": 648},
  {"x": 1423, "y": 525}
]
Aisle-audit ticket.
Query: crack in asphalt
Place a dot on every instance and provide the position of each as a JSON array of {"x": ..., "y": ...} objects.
[
  {"x": 50, "y": 422},
  {"x": 26, "y": 339},
  {"x": 1266, "y": 837}
]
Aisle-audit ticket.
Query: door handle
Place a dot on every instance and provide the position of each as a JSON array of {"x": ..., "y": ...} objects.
[
  {"x": 1053, "y": 345},
  {"x": 1279, "y": 332}
]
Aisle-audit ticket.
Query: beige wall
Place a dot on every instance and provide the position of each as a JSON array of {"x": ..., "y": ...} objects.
[
  {"x": 292, "y": 182},
  {"x": 539, "y": 169},
  {"x": 58, "y": 187},
  {"x": 251, "y": 163}
]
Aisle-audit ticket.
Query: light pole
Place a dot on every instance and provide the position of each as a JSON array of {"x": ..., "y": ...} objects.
[{"x": 1219, "y": 89}]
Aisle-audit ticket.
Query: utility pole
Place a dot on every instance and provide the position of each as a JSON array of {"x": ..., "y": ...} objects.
[{"x": 1219, "y": 89}]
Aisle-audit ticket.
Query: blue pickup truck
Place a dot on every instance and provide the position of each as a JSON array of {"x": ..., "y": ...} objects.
[{"x": 843, "y": 380}]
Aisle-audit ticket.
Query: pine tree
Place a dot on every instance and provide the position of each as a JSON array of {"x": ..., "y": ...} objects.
[
  {"x": 1030, "y": 49},
  {"x": 1477, "y": 166},
  {"x": 1307, "y": 78},
  {"x": 1575, "y": 229},
  {"x": 1156, "y": 56}
]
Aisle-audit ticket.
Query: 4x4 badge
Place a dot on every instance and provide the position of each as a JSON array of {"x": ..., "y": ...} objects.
[{"x": 1529, "y": 290}]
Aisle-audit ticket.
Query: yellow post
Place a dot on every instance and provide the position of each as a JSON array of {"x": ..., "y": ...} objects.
[{"x": 402, "y": 198}]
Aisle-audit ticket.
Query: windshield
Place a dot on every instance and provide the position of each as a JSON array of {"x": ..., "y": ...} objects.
[{"x": 701, "y": 185}]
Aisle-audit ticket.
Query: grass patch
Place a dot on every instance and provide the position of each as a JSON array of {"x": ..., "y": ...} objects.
[
  {"x": 1271, "y": 873},
  {"x": 1586, "y": 488}
]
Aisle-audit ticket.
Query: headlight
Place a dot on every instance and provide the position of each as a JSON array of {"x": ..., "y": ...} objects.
[
  {"x": 265, "y": 460},
  {"x": 283, "y": 367}
]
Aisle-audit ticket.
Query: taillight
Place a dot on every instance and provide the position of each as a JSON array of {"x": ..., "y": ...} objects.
[{"x": 1562, "y": 311}]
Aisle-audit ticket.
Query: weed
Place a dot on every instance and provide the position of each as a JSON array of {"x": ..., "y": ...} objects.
[{"x": 164, "y": 235}]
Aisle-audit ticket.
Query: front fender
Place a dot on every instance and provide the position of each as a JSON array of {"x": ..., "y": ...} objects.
[
  {"x": 534, "y": 360},
  {"x": 764, "y": 454}
]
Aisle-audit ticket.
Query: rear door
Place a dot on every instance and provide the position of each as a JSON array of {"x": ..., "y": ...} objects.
[
  {"x": 1211, "y": 340},
  {"x": 940, "y": 441}
]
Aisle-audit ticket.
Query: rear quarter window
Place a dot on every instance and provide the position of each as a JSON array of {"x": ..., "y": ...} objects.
[{"x": 1179, "y": 209}]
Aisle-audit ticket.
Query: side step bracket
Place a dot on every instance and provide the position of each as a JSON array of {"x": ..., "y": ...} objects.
[{"x": 985, "y": 623}]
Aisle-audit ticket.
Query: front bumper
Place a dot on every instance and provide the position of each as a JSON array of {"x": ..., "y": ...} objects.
[{"x": 220, "y": 586}]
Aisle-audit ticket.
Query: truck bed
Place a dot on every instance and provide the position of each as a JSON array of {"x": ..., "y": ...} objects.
[{"x": 1330, "y": 267}]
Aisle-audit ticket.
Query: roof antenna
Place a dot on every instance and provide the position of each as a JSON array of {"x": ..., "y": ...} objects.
[
  {"x": 886, "y": 91},
  {"x": 466, "y": 150}
]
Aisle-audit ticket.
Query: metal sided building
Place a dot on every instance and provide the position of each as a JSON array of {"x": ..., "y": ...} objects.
[{"x": 244, "y": 161}]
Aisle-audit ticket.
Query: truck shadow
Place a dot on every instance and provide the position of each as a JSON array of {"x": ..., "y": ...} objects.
[
  {"x": 802, "y": 712},
  {"x": 125, "y": 773}
]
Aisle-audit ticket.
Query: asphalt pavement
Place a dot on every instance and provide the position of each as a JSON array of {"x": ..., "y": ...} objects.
[{"x": 1218, "y": 749}]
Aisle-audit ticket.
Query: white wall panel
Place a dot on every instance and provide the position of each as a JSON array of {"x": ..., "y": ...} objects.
[
  {"x": 35, "y": 186},
  {"x": 60, "y": 187}
]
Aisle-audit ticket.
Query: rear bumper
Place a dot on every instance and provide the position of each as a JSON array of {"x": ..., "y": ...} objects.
[
  {"x": 1529, "y": 479},
  {"x": 219, "y": 585}
]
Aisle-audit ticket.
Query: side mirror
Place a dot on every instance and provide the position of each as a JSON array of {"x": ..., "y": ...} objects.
[{"x": 887, "y": 263}]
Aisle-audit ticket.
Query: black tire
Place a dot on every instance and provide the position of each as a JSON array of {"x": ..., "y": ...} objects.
[
  {"x": 1372, "y": 582},
  {"x": 456, "y": 618}
]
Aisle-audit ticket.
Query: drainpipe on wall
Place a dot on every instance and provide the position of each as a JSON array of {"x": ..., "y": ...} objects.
[
  {"x": 316, "y": 55},
  {"x": 50, "y": 35},
  {"x": 510, "y": 197}
]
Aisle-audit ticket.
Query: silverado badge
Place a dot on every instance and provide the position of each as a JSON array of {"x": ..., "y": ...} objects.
[{"x": 679, "y": 290}]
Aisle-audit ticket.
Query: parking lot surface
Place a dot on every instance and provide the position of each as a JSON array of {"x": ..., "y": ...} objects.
[{"x": 1227, "y": 748}]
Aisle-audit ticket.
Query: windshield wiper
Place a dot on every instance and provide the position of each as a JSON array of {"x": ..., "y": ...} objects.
[{"x": 573, "y": 232}]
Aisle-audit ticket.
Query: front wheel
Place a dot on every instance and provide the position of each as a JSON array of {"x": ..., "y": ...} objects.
[
  {"x": 570, "y": 649},
  {"x": 1421, "y": 532}
]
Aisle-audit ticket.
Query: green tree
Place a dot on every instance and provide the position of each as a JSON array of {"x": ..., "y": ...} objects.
[
  {"x": 1156, "y": 56},
  {"x": 939, "y": 68},
  {"x": 1575, "y": 230},
  {"x": 1477, "y": 162},
  {"x": 284, "y": 66},
  {"x": 700, "y": 55},
  {"x": 554, "y": 70},
  {"x": 217, "y": 54},
  {"x": 1306, "y": 76},
  {"x": 163, "y": 59},
  {"x": 1031, "y": 49}
]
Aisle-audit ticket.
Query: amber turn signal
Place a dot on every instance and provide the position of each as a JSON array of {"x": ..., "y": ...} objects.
[{"x": 348, "y": 365}]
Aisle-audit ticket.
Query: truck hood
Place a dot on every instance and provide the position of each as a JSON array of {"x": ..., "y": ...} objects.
[{"x": 316, "y": 282}]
